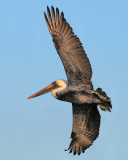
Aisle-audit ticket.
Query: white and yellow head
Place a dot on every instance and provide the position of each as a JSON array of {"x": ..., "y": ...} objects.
[{"x": 56, "y": 86}]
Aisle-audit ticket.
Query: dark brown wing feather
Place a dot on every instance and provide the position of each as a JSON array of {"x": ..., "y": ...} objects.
[
  {"x": 86, "y": 123},
  {"x": 69, "y": 48}
]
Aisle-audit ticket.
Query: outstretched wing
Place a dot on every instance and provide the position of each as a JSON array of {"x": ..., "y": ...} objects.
[
  {"x": 69, "y": 48},
  {"x": 86, "y": 123}
]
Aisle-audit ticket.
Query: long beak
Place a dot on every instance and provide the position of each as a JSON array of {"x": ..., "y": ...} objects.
[{"x": 43, "y": 91}]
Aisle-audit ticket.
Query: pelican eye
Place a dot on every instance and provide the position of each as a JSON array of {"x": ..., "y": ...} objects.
[{"x": 55, "y": 84}]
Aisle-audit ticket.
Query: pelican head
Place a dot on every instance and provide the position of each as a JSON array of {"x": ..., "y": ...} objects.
[{"x": 56, "y": 86}]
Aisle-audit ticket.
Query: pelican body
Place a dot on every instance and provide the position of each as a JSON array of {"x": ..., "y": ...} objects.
[{"x": 78, "y": 89}]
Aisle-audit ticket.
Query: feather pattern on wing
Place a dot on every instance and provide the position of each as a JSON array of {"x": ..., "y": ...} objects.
[
  {"x": 86, "y": 123},
  {"x": 69, "y": 48}
]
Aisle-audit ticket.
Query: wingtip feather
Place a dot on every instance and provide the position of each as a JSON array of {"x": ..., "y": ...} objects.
[
  {"x": 47, "y": 22},
  {"x": 49, "y": 17},
  {"x": 53, "y": 16},
  {"x": 57, "y": 17}
]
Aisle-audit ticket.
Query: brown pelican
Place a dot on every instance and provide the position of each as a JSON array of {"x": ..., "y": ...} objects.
[{"x": 78, "y": 89}]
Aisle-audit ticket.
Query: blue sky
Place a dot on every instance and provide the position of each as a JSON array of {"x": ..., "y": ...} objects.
[{"x": 40, "y": 128}]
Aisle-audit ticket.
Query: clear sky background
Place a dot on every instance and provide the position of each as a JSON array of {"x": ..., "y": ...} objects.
[{"x": 40, "y": 128}]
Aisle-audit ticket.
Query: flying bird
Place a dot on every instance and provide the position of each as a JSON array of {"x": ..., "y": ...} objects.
[{"x": 78, "y": 88}]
